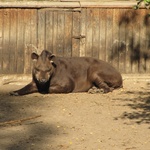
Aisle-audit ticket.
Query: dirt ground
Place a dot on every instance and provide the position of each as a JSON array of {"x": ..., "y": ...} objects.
[{"x": 77, "y": 121}]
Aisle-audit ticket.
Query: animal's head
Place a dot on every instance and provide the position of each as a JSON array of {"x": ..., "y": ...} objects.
[{"x": 43, "y": 66}]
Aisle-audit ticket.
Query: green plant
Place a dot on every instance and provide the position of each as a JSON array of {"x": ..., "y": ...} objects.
[{"x": 140, "y": 2}]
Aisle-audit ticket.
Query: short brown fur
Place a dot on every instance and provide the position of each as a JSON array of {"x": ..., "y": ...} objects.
[{"x": 52, "y": 74}]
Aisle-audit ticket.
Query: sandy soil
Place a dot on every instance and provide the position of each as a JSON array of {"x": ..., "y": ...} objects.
[{"x": 116, "y": 121}]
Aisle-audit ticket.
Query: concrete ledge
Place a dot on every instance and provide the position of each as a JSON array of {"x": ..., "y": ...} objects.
[
  {"x": 73, "y": 4},
  {"x": 14, "y": 79}
]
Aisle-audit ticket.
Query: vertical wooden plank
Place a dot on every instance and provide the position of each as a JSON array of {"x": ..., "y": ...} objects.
[
  {"x": 6, "y": 40},
  {"x": 115, "y": 43},
  {"x": 75, "y": 33},
  {"x": 129, "y": 39},
  {"x": 55, "y": 32},
  {"x": 122, "y": 43},
  {"x": 146, "y": 55},
  {"x": 89, "y": 23},
  {"x": 95, "y": 33},
  {"x": 102, "y": 52},
  {"x": 27, "y": 40},
  {"x": 68, "y": 34},
  {"x": 60, "y": 34},
  {"x": 49, "y": 30},
  {"x": 41, "y": 30},
  {"x": 109, "y": 33},
  {"x": 1, "y": 40},
  {"x": 83, "y": 32},
  {"x": 135, "y": 52},
  {"x": 20, "y": 41},
  {"x": 13, "y": 41},
  {"x": 142, "y": 40},
  {"x": 34, "y": 34}
]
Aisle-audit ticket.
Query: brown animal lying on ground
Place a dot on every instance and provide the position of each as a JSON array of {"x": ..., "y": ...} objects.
[{"x": 52, "y": 74}]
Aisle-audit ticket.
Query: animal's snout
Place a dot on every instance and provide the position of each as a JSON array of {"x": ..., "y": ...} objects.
[{"x": 43, "y": 80}]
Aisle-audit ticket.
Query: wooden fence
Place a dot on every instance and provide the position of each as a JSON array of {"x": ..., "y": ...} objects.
[{"x": 109, "y": 31}]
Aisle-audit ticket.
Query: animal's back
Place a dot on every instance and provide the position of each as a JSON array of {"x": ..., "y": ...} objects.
[{"x": 82, "y": 70}]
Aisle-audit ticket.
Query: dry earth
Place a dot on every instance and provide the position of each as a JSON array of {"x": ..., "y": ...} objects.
[{"x": 78, "y": 121}]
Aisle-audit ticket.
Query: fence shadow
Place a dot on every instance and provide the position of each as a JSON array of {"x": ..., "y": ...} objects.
[
  {"x": 135, "y": 44},
  {"x": 140, "y": 107}
]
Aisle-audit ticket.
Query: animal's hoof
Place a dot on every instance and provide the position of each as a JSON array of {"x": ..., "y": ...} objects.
[
  {"x": 13, "y": 94},
  {"x": 95, "y": 90}
]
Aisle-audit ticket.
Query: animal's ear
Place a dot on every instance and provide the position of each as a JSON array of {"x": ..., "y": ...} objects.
[
  {"x": 51, "y": 61},
  {"x": 34, "y": 56}
]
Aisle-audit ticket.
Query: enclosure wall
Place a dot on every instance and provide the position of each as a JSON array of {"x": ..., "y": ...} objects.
[{"x": 120, "y": 36}]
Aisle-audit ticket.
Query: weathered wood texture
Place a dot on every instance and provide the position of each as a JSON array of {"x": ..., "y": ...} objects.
[
  {"x": 118, "y": 36},
  {"x": 18, "y": 37},
  {"x": 56, "y": 30}
]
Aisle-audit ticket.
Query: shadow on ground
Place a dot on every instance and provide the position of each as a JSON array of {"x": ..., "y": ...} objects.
[
  {"x": 31, "y": 134},
  {"x": 139, "y": 102}
]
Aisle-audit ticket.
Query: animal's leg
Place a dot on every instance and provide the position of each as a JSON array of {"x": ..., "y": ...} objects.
[
  {"x": 60, "y": 89},
  {"x": 98, "y": 82},
  {"x": 64, "y": 86},
  {"x": 30, "y": 88}
]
